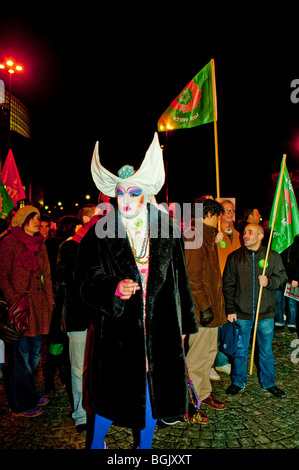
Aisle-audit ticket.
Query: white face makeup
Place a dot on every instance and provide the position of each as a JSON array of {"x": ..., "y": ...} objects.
[{"x": 130, "y": 199}]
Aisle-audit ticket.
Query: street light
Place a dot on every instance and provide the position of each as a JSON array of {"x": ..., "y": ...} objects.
[{"x": 11, "y": 68}]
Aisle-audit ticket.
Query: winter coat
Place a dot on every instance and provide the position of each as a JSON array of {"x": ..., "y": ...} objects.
[
  {"x": 241, "y": 285},
  {"x": 117, "y": 368},
  {"x": 205, "y": 276},
  {"x": 227, "y": 246},
  {"x": 14, "y": 281},
  {"x": 76, "y": 315}
]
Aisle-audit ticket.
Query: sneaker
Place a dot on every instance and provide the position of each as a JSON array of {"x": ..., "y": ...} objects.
[
  {"x": 163, "y": 423},
  {"x": 214, "y": 375},
  {"x": 226, "y": 369},
  {"x": 31, "y": 413},
  {"x": 276, "y": 391},
  {"x": 172, "y": 421},
  {"x": 234, "y": 389},
  {"x": 43, "y": 401}
]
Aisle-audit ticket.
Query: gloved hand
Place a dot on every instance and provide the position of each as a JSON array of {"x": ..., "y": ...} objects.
[{"x": 206, "y": 316}]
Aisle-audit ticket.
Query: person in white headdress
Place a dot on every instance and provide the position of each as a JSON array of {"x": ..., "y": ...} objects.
[{"x": 131, "y": 270}]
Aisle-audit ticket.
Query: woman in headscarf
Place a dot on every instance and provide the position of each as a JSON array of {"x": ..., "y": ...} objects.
[
  {"x": 23, "y": 254},
  {"x": 131, "y": 270}
]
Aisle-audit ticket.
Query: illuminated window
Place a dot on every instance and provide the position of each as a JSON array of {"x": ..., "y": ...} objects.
[{"x": 19, "y": 116}]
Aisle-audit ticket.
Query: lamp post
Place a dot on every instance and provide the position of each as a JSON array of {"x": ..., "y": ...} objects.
[{"x": 10, "y": 67}]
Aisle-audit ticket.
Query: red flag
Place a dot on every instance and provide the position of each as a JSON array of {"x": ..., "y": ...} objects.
[{"x": 11, "y": 179}]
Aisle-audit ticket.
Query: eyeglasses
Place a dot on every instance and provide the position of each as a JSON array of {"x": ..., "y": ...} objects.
[{"x": 229, "y": 211}]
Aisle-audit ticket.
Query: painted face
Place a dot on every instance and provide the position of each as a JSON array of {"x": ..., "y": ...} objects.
[{"x": 130, "y": 199}]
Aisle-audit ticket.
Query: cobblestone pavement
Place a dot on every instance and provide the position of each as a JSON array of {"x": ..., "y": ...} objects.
[{"x": 254, "y": 419}]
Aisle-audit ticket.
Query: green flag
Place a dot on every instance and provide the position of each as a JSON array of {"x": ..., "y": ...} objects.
[
  {"x": 193, "y": 106},
  {"x": 6, "y": 204},
  {"x": 286, "y": 224}
]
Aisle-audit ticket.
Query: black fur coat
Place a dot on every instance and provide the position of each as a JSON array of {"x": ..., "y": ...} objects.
[{"x": 117, "y": 366}]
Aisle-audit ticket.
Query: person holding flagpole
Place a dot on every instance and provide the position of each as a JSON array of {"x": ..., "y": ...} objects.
[{"x": 242, "y": 279}]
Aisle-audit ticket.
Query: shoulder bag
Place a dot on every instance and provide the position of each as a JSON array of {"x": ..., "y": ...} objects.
[{"x": 18, "y": 312}]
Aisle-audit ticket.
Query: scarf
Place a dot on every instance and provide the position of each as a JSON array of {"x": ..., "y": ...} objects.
[{"x": 32, "y": 245}]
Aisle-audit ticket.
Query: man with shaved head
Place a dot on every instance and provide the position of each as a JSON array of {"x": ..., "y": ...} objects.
[{"x": 242, "y": 279}]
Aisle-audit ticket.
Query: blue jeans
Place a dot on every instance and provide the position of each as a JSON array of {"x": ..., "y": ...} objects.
[
  {"x": 264, "y": 337},
  {"x": 24, "y": 356},
  {"x": 288, "y": 305},
  {"x": 77, "y": 341}
]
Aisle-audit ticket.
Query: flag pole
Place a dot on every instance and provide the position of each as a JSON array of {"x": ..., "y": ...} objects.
[
  {"x": 266, "y": 260},
  {"x": 215, "y": 129}
]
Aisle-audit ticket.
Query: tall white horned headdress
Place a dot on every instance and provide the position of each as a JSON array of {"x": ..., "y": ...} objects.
[{"x": 150, "y": 177}]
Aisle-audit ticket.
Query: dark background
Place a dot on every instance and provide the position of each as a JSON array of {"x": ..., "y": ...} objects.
[{"x": 107, "y": 74}]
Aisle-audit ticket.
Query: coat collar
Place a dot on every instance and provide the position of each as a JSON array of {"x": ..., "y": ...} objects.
[
  {"x": 161, "y": 246},
  {"x": 260, "y": 251}
]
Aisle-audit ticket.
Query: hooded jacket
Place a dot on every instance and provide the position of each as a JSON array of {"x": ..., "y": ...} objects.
[{"x": 241, "y": 284}]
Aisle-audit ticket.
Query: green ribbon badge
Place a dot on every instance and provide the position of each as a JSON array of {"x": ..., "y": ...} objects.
[
  {"x": 262, "y": 263},
  {"x": 222, "y": 244},
  {"x": 139, "y": 222}
]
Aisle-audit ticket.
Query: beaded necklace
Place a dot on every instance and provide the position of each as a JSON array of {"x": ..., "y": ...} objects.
[{"x": 143, "y": 257}]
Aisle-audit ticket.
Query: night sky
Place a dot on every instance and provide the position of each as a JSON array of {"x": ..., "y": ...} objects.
[{"x": 108, "y": 74}]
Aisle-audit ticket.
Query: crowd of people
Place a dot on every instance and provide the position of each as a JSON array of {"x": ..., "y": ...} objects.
[{"x": 122, "y": 309}]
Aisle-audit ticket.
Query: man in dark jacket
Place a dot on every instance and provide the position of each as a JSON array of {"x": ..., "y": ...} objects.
[
  {"x": 241, "y": 284},
  {"x": 206, "y": 286}
]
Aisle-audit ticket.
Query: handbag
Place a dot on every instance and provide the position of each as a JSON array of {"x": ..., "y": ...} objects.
[
  {"x": 231, "y": 339},
  {"x": 18, "y": 312}
]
